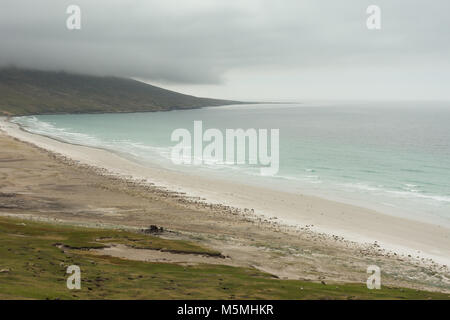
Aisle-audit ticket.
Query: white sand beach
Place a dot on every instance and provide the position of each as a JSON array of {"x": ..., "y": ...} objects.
[{"x": 354, "y": 223}]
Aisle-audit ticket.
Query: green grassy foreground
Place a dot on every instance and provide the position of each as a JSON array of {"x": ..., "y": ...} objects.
[{"x": 33, "y": 266}]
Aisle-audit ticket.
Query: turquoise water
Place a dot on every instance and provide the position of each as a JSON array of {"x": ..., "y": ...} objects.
[{"x": 393, "y": 156}]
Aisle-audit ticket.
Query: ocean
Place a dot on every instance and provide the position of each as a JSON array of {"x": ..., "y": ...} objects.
[{"x": 390, "y": 156}]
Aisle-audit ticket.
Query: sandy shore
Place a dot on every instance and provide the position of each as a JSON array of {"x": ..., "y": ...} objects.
[
  {"x": 77, "y": 187},
  {"x": 334, "y": 218}
]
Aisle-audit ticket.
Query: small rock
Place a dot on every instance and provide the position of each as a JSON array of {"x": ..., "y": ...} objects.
[{"x": 153, "y": 229}]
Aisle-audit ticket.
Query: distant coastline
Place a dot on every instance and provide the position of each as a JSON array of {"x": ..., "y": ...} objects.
[{"x": 32, "y": 92}]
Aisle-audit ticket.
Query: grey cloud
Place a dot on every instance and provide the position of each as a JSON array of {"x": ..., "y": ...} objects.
[{"x": 198, "y": 42}]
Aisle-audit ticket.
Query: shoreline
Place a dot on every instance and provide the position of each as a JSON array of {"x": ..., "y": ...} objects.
[{"x": 403, "y": 236}]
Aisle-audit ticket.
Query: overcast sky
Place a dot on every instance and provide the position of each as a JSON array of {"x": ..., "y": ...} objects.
[{"x": 246, "y": 49}]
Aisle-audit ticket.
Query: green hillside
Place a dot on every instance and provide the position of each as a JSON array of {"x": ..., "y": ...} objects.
[{"x": 40, "y": 92}]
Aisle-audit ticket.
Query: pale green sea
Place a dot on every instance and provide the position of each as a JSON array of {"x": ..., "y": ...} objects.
[{"x": 389, "y": 156}]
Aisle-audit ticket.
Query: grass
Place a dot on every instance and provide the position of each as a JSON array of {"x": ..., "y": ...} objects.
[{"x": 34, "y": 267}]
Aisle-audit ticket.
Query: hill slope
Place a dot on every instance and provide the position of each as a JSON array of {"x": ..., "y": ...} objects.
[{"x": 40, "y": 92}]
